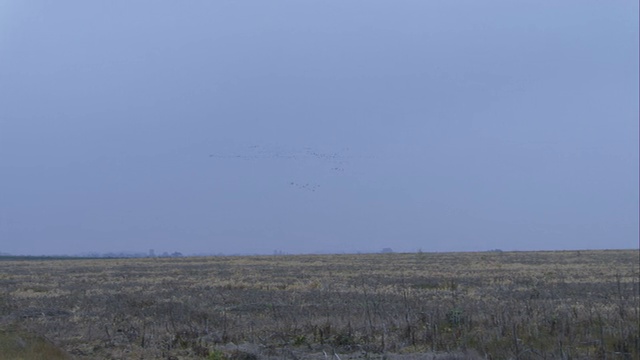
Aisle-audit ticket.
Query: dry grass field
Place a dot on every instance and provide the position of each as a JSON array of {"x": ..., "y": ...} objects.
[{"x": 493, "y": 305}]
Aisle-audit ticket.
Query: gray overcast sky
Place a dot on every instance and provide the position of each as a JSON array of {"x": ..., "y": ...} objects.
[{"x": 303, "y": 126}]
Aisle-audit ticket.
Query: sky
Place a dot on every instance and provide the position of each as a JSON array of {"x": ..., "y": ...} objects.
[{"x": 244, "y": 127}]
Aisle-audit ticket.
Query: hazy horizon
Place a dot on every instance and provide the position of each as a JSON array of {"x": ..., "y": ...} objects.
[
  {"x": 277, "y": 252},
  {"x": 248, "y": 127}
]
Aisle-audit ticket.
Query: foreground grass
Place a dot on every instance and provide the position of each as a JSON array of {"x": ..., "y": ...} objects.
[
  {"x": 17, "y": 345},
  {"x": 520, "y": 305}
]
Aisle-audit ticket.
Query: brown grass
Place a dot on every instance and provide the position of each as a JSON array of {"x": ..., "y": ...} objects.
[
  {"x": 518, "y": 305},
  {"x": 16, "y": 345}
]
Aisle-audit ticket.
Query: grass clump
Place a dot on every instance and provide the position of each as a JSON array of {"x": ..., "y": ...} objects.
[{"x": 15, "y": 345}]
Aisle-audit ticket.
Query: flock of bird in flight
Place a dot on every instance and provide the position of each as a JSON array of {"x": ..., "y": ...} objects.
[{"x": 256, "y": 152}]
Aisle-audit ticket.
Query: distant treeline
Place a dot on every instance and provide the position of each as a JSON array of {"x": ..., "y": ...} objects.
[
  {"x": 39, "y": 257},
  {"x": 111, "y": 255}
]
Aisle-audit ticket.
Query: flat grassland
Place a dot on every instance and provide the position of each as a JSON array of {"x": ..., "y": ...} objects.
[{"x": 495, "y": 305}]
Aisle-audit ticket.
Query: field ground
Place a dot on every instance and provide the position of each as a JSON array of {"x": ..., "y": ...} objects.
[{"x": 494, "y": 305}]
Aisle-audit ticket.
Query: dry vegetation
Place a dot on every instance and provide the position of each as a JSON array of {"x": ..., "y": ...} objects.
[{"x": 520, "y": 305}]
